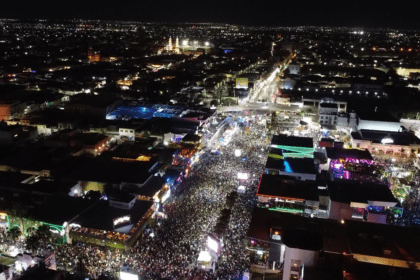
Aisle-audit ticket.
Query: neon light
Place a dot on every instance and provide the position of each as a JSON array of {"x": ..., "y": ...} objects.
[
  {"x": 298, "y": 155},
  {"x": 276, "y": 156},
  {"x": 285, "y": 209},
  {"x": 287, "y": 167}
]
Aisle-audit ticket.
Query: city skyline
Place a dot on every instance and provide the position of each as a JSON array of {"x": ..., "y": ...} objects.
[{"x": 300, "y": 13}]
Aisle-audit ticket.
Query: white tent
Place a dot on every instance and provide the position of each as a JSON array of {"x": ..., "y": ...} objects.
[{"x": 204, "y": 256}]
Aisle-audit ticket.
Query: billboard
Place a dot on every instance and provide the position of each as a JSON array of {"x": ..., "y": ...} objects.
[
  {"x": 121, "y": 220},
  {"x": 50, "y": 262},
  {"x": 242, "y": 83},
  {"x": 242, "y": 176},
  {"x": 128, "y": 276},
  {"x": 213, "y": 244}
]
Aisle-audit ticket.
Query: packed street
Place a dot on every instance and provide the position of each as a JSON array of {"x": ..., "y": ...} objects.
[{"x": 169, "y": 249}]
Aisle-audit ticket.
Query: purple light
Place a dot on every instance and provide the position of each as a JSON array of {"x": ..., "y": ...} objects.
[
  {"x": 346, "y": 174},
  {"x": 357, "y": 161}
]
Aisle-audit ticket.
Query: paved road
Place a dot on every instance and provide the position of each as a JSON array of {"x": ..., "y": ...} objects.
[{"x": 260, "y": 107}]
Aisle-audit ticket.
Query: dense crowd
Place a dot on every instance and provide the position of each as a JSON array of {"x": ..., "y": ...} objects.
[{"x": 169, "y": 249}]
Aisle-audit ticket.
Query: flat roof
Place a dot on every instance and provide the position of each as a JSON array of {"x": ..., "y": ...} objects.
[
  {"x": 292, "y": 141},
  {"x": 328, "y": 105},
  {"x": 292, "y": 165},
  {"x": 97, "y": 101},
  {"x": 375, "y": 239},
  {"x": 108, "y": 171},
  {"x": 347, "y": 191},
  {"x": 101, "y": 215},
  {"x": 288, "y": 188},
  {"x": 352, "y": 237},
  {"x": 61, "y": 208},
  {"x": 336, "y": 153},
  {"x": 263, "y": 220},
  {"x": 399, "y": 138},
  {"x": 302, "y": 239},
  {"x": 149, "y": 189},
  {"x": 377, "y": 116}
]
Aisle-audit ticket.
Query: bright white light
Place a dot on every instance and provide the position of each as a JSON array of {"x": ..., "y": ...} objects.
[
  {"x": 206, "y": 43},
  {"x": 387, "y": 140},
  {"x": 185, "y": 42},
  {"x": 242, "y": 176},
  {"x": 260, "y": 252},
  {"x": 121, "y": 220},
  {"x": 128, "y": 276},
  {"x": 204, "y": 256},
  {"x": 212, "y": 244},
  {"x": 165, "y": 143},
  {"x": 238, "y": 153},
  {"x": 166, "y": 196}
]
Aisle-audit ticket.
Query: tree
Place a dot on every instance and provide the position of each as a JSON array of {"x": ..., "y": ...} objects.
[
  {"x": 44, "y": 233},
  {"x": 31, "y": 231},
  {"x": 110, "y": 190},
  {"x": 18, "y": 212},
  {"x": 14, "y": 233},
  {"x": 94, "y": 195},
  {"x": 32, "y": 242}
]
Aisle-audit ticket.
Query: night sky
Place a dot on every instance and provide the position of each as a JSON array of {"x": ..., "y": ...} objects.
[{"x": 397, "y": 14}]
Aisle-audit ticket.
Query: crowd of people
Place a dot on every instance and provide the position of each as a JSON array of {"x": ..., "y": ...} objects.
[{"x": 169, "y": 248}]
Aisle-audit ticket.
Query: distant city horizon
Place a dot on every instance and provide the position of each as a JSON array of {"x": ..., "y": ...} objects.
[{"x": 261, "y": 13}]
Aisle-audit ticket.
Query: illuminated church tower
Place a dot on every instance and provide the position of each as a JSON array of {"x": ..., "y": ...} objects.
[
  {"x": 177, "y": 45},
  {"x": 169, "y": 47}
]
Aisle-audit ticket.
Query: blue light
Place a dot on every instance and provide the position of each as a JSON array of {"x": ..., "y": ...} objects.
[{"x": 287, "y": 167}]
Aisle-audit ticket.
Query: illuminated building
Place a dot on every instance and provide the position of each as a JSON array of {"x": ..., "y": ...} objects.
[
  {"x": 350, "y": 200},
  {"x": 300, "y": 168},
  {"x": 117, "y": 223},
  {"x": 169, "y": 47},
  {"x": 386, "y": 142},
  {"x": 354, "y": 164},
  {"x": 286, "y": 194},
  {"x": 177, "y": 46},
  {"x": 295, "y": 147},
  {"x": 93, "y": 57},
  {"x": 7, "y": 109}
]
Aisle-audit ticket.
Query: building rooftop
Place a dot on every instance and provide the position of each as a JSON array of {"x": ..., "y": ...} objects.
[
  {"x": 287, "y": 187},
  {"x": 328, "y": 105},
  {"x": 346, "y": 191},
  {"x": 376, "y": 116},
  {"x": 101, "y": 215},
  {"x": 336, "y": 153},
  {"x": 302, "y": 239},
  {"x": 109, "y": 171},
  {"x": 292, "y": 141},
  {"x": 263, "y": 220},
  {"x": 97, "y": 101},
  {"x": 69, "y": 208},
  {"x": 352, "y": 237},
  {"x": 398, "y": 138},
  {"x": 292, "y": 165}
]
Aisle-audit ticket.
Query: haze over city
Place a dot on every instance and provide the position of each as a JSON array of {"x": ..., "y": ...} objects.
[{"x": 209, "y": 140}]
